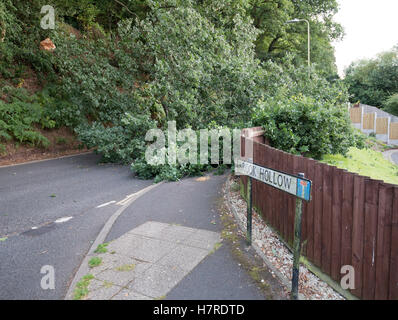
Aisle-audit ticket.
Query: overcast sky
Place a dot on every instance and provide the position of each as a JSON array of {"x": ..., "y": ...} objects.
[{"x": 371, "y": 26}]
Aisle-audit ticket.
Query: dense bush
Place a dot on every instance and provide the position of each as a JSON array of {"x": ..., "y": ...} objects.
[
  {"x": 173, "y": 65},
  {"x": 304, "y": 125},
  {"x": 19, "y": 116},
  {"x": 373, "y": 81},
  {"x": 196, "y": 71},
  {"x": 134, "y": 65},
  {"x": 391, "y": 105}
]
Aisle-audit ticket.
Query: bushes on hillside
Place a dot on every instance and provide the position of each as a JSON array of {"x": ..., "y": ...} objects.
[
  {"x": 19, "y": 115},
  {"x": 304, "y": 125},
  {"x": 391, "y": 105}
]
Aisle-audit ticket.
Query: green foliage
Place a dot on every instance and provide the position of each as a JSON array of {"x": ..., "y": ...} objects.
[
  {"x": 120, "y": 142},
  {"x": 391, "y": 105},
  {"x": 20, "y": 115},
  {"x": 138, "y": 63},
  {"x": 303, "y": 125},
  {"x": 94, "y": 262},
  {"x": 373, "y": 81},
  {"x": 278, "y": 38},
  {"x": 197, "y": 72},
  {"x": 81, "y": 290},
  {"x": 102, "y": 248}
]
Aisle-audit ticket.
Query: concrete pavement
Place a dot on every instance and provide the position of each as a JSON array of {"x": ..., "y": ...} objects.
[
  {"x": 167, "y": 245},
  {"x": 147, "y": 262}
]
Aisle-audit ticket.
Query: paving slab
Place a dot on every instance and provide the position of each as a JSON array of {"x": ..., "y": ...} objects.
[
  {"x": 149, "y": 261},
  {"x": 158, "y": 281},
  {"x": 125, "y": 294}
]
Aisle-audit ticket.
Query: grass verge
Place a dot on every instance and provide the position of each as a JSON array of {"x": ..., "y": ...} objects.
[{"x": 366, "y": 162}]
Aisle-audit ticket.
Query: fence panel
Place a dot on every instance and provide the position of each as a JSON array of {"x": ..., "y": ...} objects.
[
  {"x": 382, "y": 126},
  {"x": 394, "y": 131},
  {"x": 355, "y": 115},
  {"x": 351, "y": 220},
  {"x": 368, "y": 121}
]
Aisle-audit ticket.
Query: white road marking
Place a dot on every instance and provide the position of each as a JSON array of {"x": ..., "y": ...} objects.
[
  {"x": 126, "y": 199},
  {"x": 106, "y": 204},
  {"x": 62, "y": 220}
]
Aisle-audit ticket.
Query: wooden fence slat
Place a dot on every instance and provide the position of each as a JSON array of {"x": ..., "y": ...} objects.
[
  {"x": 291, "y": 205},
  {"x": 318, "y": 187},
  {"x": 259, "y": 158},
  {"x": 358, "y": 232},
  {"x": 279, "y": 199},
  {"x": 268, "y": 190},
  {"x": 394, "y": 250},
  {"x": 336, "y": 223},
  {"x": 274, "y": 195},
  {"x": 327, "y": 219},
  {"x": 383, "y": 248},
  {"x": 303, "y": 162},
  {"x": 310, "y": 212},
  {"x": 346, "y": 218},
  {"x": 369, "y": 268},
  {"x": 285, "y": 207}
]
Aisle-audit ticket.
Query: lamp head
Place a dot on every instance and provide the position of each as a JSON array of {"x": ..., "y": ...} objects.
[{"x": 293, "y": 21}]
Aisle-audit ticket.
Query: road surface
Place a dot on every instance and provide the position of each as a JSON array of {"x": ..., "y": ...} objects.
[
  {"x": 49, "y": 216},
  {"x": 51, "y": 212}
]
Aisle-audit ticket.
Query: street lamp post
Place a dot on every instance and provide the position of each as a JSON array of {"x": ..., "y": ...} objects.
[{"x": 309, "y": 41}]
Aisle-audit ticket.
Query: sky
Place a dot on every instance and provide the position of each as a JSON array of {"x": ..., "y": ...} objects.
[{"x": 371, "y": 26}]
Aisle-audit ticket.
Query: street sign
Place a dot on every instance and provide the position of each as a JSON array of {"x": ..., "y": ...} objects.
[{"x": 294, "y": 185}]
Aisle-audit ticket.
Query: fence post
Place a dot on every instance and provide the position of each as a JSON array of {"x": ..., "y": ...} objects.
[
  {"x": 297, "y": 246},
  {"x": 362, "y": 112}
]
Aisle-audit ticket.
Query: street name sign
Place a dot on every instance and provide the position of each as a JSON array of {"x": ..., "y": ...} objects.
[{"x": 294, "y": 185}]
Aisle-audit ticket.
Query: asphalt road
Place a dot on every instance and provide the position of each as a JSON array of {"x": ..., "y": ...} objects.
[
  {"x": 49, "y": 216},
  {"x": 394, "y": 157},
  {"x": 52, "y": 211}
]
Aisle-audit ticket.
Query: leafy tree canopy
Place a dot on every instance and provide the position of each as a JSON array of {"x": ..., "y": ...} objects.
[{"x": 372, "y": 81}]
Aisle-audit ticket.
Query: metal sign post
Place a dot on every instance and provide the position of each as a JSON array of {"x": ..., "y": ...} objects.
[
  {"x": 295, "y": 185},
  {"x": 297, "y": 246}
]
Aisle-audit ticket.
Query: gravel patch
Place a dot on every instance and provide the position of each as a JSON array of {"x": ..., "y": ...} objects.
[{"x": 276, "y": 252}]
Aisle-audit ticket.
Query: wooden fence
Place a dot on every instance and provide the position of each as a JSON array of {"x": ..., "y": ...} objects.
[
  {"x": 351, "y": 220},
  {"x": 371, "y": 119}
]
